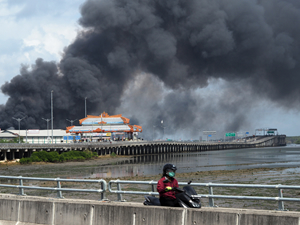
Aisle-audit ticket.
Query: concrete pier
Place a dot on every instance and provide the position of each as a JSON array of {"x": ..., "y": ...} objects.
[
  {"x": 24, "y": 210},
  {"x": 17, "y": 151}
]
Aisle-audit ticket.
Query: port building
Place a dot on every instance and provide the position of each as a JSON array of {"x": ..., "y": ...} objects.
[
  {"x": 36, "y": 136},
  {"x": 104, "y": 127}
]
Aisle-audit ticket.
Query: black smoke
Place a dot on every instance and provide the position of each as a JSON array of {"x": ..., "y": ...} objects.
[{"x": 150, "y": 60}]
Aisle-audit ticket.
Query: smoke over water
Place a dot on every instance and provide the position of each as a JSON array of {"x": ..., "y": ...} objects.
[{"x": 193, "y": 64}]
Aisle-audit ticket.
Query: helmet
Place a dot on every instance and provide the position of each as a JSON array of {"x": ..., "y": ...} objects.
[{"x": 168, "y": 167}]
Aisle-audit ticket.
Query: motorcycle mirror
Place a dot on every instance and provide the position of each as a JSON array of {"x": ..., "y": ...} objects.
[{"x": 189, "y": 182}]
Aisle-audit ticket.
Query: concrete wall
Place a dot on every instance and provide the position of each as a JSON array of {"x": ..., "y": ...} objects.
[{"x": 23, "y": 210}]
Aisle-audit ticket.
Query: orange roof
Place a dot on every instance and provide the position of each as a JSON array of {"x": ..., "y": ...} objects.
[
  {"x": 104, "y": 114},
  {"x": 139, "y": 128},
  {"x": 69, "y": 128},
  {"x": 126, "y": 120}
]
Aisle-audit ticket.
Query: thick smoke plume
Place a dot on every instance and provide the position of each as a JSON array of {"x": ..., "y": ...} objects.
[{"x": 152, "y": 59}]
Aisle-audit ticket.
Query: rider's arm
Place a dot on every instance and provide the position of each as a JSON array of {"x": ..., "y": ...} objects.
[
  {"x": 175, "y": 183},
  {"x": 160, "y": 186}
]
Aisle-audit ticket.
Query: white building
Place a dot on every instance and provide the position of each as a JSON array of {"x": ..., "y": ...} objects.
[
  {"x": 35, "y": 136},
  {"x": 105, "y": 126}
]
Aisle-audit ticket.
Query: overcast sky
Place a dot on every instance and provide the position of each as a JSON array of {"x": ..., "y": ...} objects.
[{"x": 32, "y": 29}]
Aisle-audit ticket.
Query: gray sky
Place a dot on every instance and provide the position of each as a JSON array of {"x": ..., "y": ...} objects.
[{"x": 34, "y": 29}]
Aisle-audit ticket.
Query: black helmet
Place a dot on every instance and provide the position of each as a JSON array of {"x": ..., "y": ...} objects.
[{"x": 168, "y": 167}]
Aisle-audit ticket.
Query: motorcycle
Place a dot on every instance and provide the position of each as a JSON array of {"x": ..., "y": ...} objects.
[{"x": 185, "y": 198}]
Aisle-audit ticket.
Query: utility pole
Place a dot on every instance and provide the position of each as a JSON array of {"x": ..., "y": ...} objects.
[
  {"x": 19, "y": 120},
  {"x": 85, "y": 106},
  {"x": 71, "y": 121},
  {"x": 47, "y": 120},
  {"x": 162, "y": 124},
  {"x": 52, "y": 114},
  {"x": 153, "y": 133}
]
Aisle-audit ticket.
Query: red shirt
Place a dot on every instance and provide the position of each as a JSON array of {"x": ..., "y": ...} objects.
[{"x": 161, "y": 186}]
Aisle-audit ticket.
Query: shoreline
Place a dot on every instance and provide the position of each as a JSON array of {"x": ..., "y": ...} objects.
[
  {"x": 278, "y": 175},
  {"x": 108, "y": 160},
  {"x": 99, "y": 158}
]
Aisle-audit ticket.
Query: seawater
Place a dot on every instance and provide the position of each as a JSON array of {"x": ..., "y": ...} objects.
[{"x": 288, "y": 156}]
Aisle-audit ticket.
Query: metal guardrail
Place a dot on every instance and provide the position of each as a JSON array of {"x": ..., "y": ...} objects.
[
  {"x": 119, "y": 191},
  {"x": 59, "y": 189},
  {"x": 279, "y": 188},
  {"x": 280, "y": 199}
]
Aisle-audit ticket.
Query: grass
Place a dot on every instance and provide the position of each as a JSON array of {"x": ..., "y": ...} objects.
[{"x": 54, "y": 157}]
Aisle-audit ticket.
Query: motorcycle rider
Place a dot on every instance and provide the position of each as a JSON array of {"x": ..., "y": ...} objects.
[{"x": 166, "y": 185}]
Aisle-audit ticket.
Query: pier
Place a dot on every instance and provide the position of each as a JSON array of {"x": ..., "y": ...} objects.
[{"x": 130, "y": 148}]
